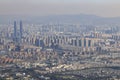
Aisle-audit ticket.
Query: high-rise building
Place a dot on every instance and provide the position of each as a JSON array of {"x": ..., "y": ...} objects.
[
  {"x": 85, "y": 43},
  {"x": 39, "y": 43},
  {"x": 15, "y": 29},
  {"x": 18, "y": 33},
  {"x": 89, "y": 43},
  {"x": 15, "y": 32},
  {"x": 80, "y": 43},
  {"x": 21, "y": 29}
]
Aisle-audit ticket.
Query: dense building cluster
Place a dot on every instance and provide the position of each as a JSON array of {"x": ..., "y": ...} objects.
[{"x": 55, "y": 48}]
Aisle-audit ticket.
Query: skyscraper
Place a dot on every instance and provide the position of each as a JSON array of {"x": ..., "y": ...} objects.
[
  {"x": 15, "y": 32},
  {"x": 21, "y": 29},
  {"x": 15, "y": 29},
  {"x": 18, "y": 33}
]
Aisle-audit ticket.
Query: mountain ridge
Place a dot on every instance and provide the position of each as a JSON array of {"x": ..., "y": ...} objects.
[{"x": 73, "y": 19}]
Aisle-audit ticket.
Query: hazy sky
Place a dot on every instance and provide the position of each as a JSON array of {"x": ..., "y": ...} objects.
[{"x": 107, "y": 8}]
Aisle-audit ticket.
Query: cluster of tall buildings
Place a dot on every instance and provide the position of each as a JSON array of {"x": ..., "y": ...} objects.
[
  {"x": 94, "y": 40},
  {"x": 18, "y": 32},
  {"x": 57, "y": 41}
]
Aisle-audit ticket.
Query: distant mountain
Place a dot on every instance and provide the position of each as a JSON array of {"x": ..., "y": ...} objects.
[{"x": 73, "y": 19}]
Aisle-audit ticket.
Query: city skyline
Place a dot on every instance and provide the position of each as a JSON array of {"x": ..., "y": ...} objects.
[
  {"x": 59, "y": 40},
  {"x": 107, "y": 8}
]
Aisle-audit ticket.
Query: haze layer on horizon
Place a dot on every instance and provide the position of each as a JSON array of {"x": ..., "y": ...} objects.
[{"x": 105, "y": 8}]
